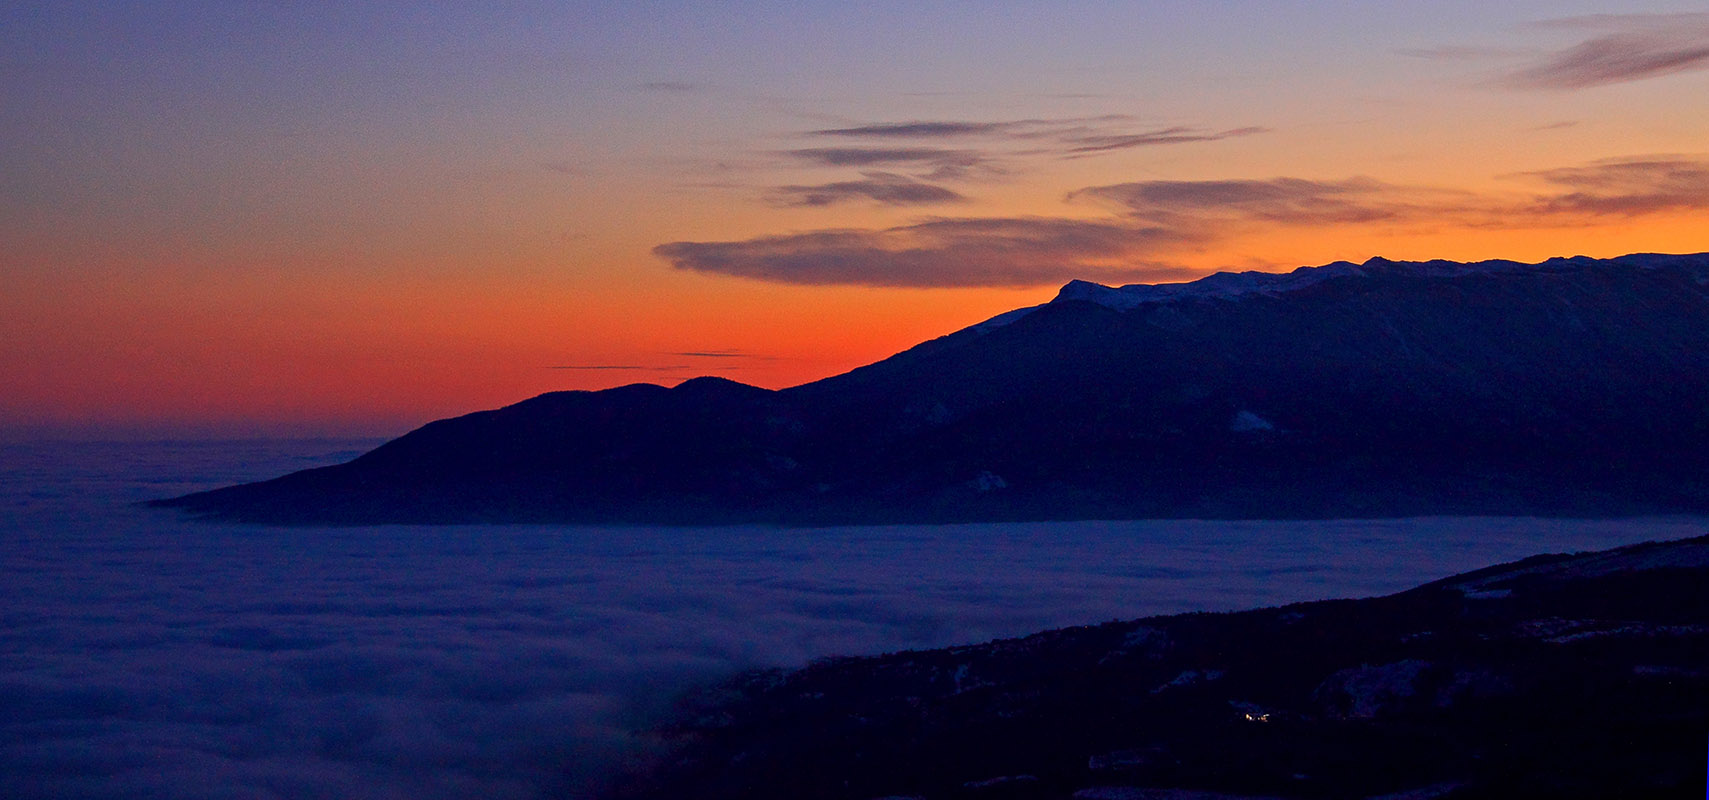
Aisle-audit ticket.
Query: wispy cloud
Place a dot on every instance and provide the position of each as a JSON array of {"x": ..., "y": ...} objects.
[
  {"x": 1097, "y": 143},
  {"x": 1154, "y": 222},
  {"x": 982, "y": 149},
  {"x": 1012, "y": 251},
  {"x": 1568, "y": 195},
  {"x": 886, "y": 188},
  {"x": 1061, "y": 136},
  {"x": 733, "y": 353},
  {"x": 917, "y": 130},
  {"x": 1031, "y": 128},
  {"x": 942, "y": 163},
  {"x": 1284, "y": 201},
  {"x": 885, "y": 156},
  {"x": 1625, "y": 47},
  {"x": 1626, "y": 187}
]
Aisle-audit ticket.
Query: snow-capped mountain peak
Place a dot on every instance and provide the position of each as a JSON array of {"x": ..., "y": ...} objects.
[{"x": 1228, "y": 285}]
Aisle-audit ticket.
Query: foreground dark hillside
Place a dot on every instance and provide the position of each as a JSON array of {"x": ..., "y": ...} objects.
[
  {"x": 1572, "y": 387},
  {"x": 1580, "y": 676}
]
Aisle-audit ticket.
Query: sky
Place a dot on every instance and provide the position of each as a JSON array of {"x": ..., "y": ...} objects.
[{"x": 269, "y": 218}]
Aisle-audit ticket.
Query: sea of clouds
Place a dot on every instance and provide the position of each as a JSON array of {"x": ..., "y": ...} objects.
[{"x": 145, "y": 656}]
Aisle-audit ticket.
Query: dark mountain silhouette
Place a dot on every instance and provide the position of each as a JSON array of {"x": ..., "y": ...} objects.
[
  {"x": 1577, "y": 676},
  {"x": 1571, "y": 387}
]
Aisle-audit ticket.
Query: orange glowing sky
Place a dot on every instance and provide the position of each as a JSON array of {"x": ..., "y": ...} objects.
[{"x": 230, "y": 219}]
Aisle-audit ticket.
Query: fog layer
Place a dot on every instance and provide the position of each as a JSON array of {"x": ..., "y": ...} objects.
[{"x": 142, "y": 655}]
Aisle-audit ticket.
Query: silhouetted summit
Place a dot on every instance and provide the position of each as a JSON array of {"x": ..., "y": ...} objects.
[{"x": 1571, "y": 387}]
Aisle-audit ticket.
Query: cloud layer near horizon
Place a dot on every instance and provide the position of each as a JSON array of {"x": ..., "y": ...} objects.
[
  {"x": 1013, "y": 251},
  {"x": 1158, "y": 219}
]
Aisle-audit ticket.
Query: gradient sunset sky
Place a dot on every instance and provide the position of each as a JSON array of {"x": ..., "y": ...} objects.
[{"x": 260, "y": 218}]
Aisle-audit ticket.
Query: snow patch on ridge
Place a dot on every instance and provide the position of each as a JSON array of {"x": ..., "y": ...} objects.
[
  {"x": 1225, "y": 285},
  {"x": 1238, "y": 284}
]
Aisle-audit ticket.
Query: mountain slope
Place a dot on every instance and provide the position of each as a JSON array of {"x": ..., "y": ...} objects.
[
  {"x": 1579, "y": 676},
  {"x": 1575, "y": 386}
]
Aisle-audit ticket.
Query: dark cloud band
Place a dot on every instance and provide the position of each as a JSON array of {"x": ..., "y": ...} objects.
[
  {"x": 880, "y": 187},
  {"x": 916, "y": 130},
  {"x": 1023, "y": 251},
  {"x": 1175, "y": 135}
]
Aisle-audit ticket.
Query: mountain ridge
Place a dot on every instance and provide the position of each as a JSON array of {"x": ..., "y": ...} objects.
[
  {"x": 1387, "y": 388},
  {"x": 1562, "y": 675}
]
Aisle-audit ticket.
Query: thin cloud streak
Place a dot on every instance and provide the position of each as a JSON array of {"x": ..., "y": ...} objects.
[
  {"x": 1634, "y": 47},
  {"x": 913, "y": 130},
  {"x": 881, "y": 187},
  {"x": 939, "y": 253},
  {"x": 1067, "y": 136},
  {"x": 942, "y": 164},
  {"x": 1282, "y": 201},
  {"x": 1627, "y": 187},
  {"x": 931, "y": 129},
  {"x": 881, "y": 156},
  {"x": 1162, "y": 136},
  {"x": 723, "y": 354},
  {"x": 990, "y": 148}
]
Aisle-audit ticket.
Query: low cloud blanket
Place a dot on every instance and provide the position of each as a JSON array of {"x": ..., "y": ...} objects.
[{"x": 145, "y": 656}]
